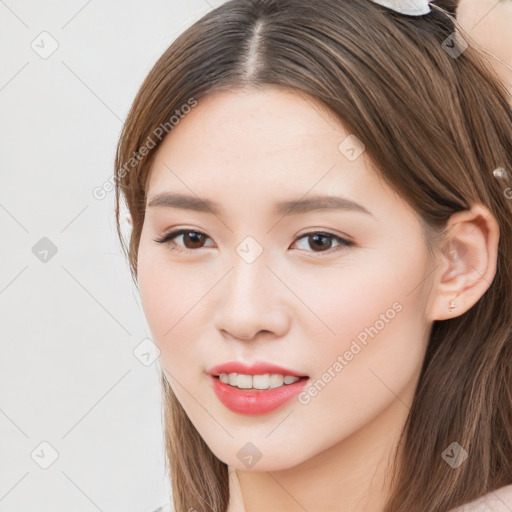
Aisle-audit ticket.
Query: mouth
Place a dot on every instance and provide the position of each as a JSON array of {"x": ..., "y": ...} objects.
[
  {"x": 263, "y": 399},
  {"x": 256, "y": 369},
  {"x": 257, "y": 383}
]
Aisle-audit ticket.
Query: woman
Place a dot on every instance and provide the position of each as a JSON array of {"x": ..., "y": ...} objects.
[{"x": 320, "y": 194}]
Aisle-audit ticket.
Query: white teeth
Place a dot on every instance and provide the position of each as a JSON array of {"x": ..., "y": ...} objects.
[
  {"x": 264, "y": 381},
  {"x": 257, "y": 381},
  {"x": 244, "y": 381},
  {"x": 276, "y": 381}
]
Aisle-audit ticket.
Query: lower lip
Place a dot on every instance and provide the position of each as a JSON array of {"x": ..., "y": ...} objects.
[{"x": 255, "y": 402}]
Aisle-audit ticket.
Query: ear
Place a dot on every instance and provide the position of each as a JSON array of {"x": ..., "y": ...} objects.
[{"x": 467, "y": 264}]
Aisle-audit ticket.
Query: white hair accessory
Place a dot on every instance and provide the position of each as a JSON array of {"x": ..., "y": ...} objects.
[{"x": 408, "y": 7}]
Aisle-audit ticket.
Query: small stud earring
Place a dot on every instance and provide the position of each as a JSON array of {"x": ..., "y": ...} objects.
[{"x": 452, "y": 306}]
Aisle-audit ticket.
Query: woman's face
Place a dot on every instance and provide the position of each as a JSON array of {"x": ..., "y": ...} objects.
[{"x": 253, "y": 283}]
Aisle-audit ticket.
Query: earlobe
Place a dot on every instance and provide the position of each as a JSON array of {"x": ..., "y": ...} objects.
[{"x": 467, "y": 264}]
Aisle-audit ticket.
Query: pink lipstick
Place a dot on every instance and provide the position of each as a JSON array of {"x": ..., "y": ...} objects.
[{"x": 255, "y": 401}]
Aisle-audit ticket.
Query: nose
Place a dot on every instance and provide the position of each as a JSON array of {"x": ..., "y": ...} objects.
[{"x": 252, "y": 300}]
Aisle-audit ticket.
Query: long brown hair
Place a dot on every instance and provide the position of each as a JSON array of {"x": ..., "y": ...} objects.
[{"x": 438, "y": 128}]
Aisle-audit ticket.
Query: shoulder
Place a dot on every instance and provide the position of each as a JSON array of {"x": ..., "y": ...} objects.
[{"x": 499, "y": 500}]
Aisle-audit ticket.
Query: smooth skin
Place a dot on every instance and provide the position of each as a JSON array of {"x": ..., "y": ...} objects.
[
  {"x": 304, "y": 300},
  {"x": 489, "y": 23}
]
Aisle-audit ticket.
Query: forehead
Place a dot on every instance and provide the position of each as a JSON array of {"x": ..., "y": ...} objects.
[
  {"x": 255, "y": 148},
  {"x": 259, "y": 121},
  {"x": 258, "y": 134}
]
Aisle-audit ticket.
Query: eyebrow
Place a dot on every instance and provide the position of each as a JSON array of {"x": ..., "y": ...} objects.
[{"x": 284, "y": 208}]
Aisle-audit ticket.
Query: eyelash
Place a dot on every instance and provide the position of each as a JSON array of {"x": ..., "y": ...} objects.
[{"x": 167, "y": 240}]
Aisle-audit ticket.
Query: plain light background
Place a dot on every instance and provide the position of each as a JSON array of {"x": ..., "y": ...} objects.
[{"x": 80, "y": 406}]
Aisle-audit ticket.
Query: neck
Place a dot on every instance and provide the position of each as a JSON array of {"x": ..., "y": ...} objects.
[{"x": 352, "y": 475}]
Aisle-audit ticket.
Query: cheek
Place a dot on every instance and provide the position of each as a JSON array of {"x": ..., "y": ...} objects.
[
  {"x": 155, "y": 293},
  {"x": 376, "y": 341},
  {"x": 170, "y": 301},
  {"x": 359, "y": 297},
  {"x": 172, "y": 296}
]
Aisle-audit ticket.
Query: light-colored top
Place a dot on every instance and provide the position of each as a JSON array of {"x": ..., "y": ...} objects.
[{"x": 499, "y": 500}]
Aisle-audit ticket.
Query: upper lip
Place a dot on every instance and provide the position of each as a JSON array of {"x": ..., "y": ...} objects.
[{"x": 259, "y": 368}]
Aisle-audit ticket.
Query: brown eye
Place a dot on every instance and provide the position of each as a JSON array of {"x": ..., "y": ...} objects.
[
  {"x": 320, "y": 241},
  {"x": 323, "y": 242},
  {"x": 192, "y": 240}
]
